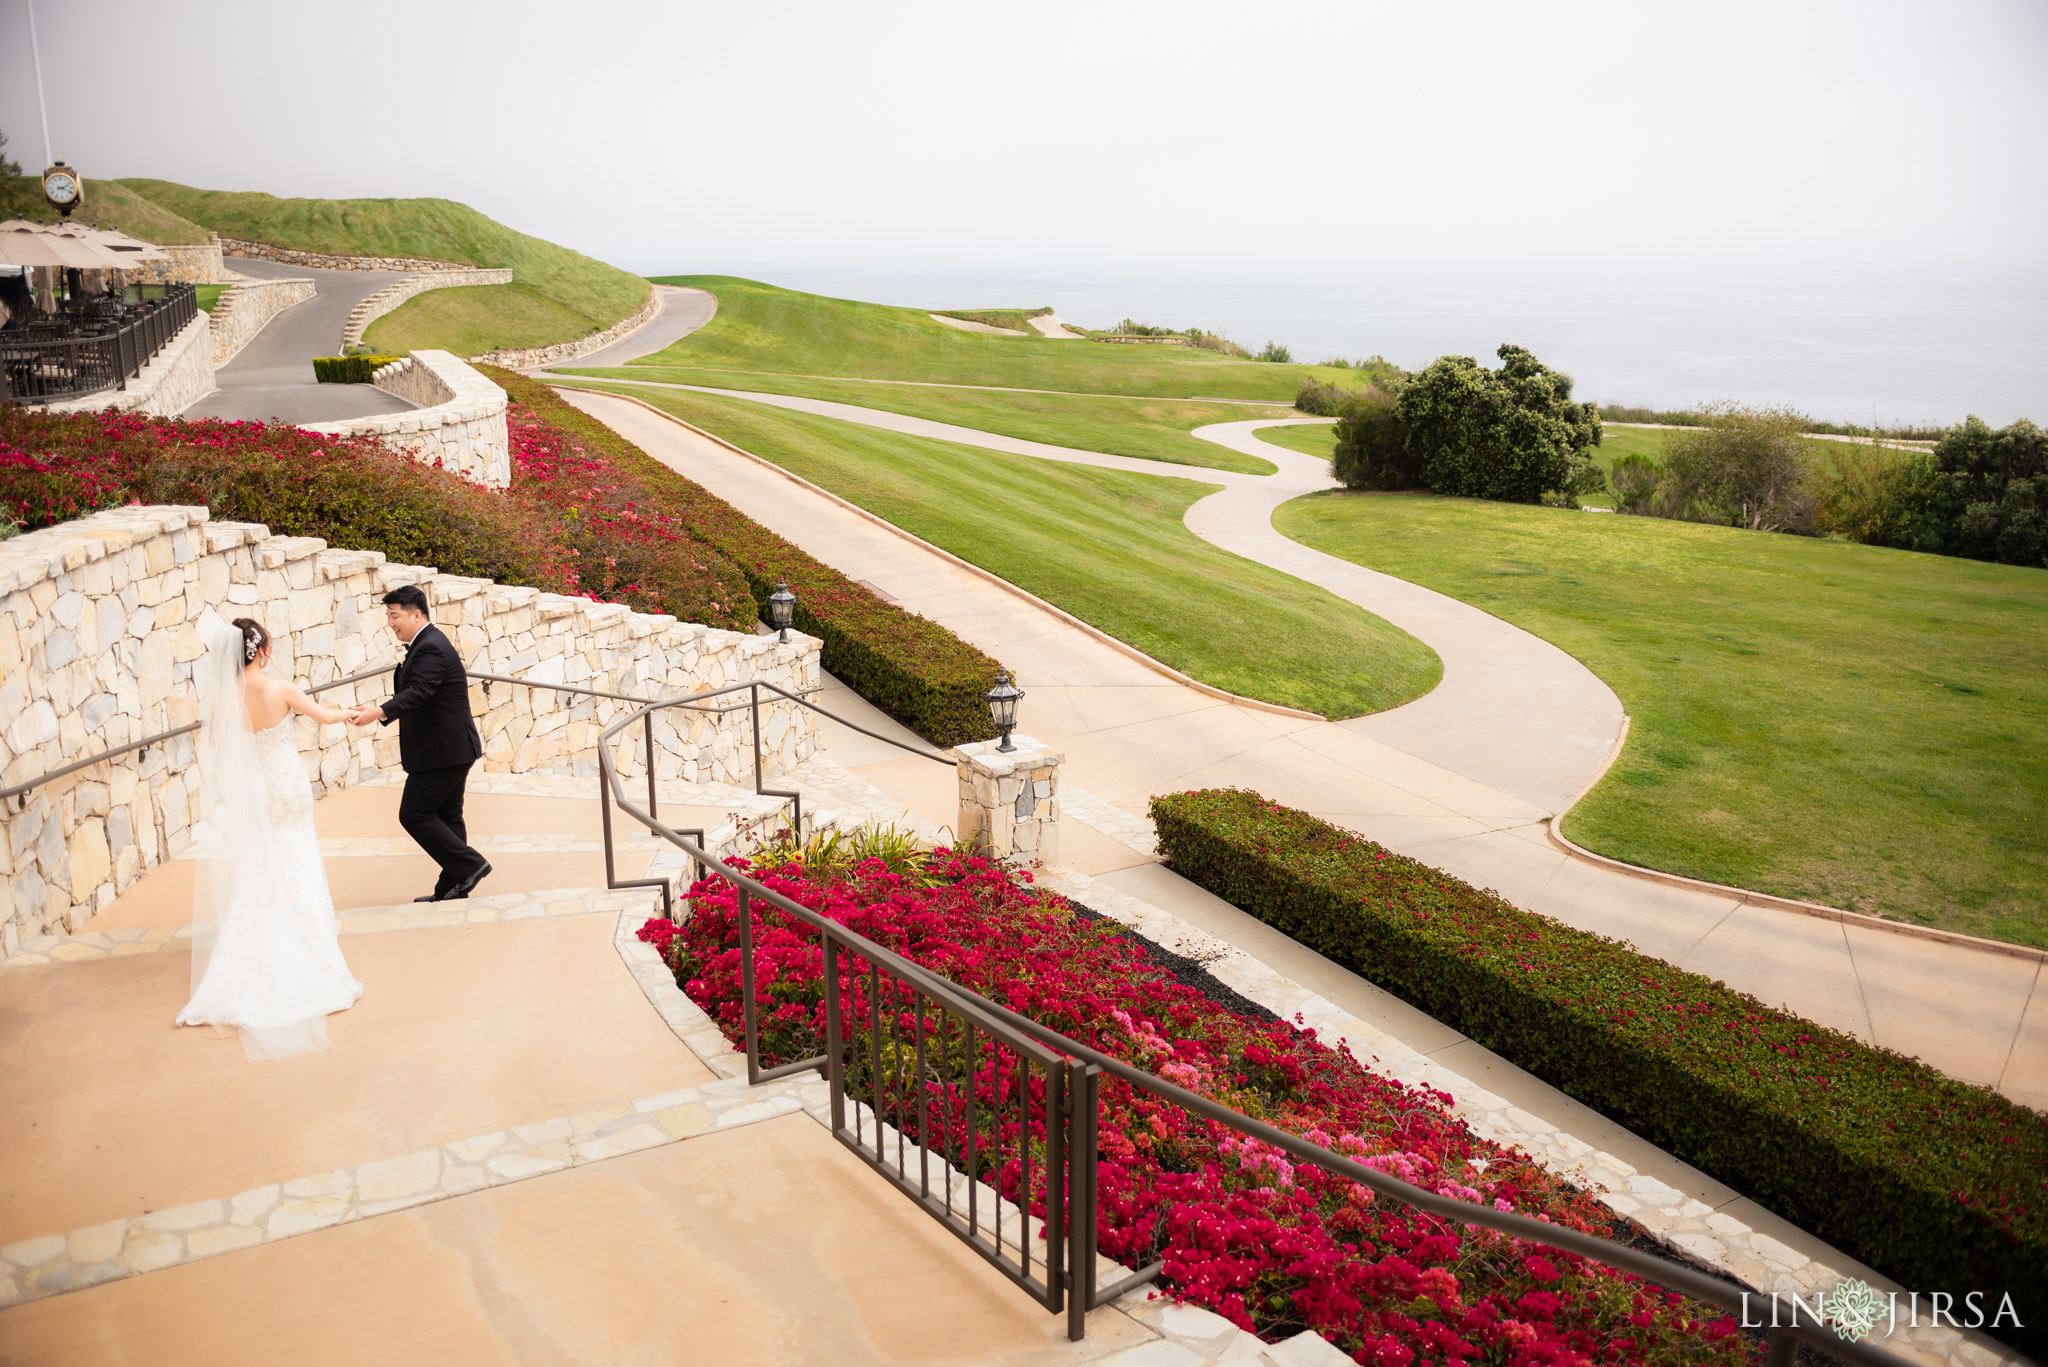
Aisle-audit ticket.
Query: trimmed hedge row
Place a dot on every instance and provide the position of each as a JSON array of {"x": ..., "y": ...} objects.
[
  {"x": 909, "y": 666},
  {"x": 1938, "y": 1184},
  {"x": 349, "y": 369}
]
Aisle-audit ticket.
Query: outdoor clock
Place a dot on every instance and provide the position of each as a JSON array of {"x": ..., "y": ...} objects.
[{"x": 63, "y": 188}]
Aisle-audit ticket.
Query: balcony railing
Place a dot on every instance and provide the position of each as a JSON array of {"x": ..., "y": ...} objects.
[{"x": 72, "y": 357}]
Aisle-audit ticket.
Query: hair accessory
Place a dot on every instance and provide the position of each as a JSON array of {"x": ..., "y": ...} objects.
[{"x": 249, "y": 648}]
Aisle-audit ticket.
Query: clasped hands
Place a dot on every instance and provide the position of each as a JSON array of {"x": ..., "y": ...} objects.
[{"x": 363, "y": 716}]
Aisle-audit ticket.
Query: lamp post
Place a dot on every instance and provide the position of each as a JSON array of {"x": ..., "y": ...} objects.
[
  {"x": 781, "y": 606},
  {"x": 1002, "y": 706}
]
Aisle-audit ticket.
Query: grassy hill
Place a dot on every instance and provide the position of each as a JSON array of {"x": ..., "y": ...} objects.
[
  {"x": 108, "y": 204},
  {"x": 762, "y": 328},
  {"x": 556, "y": 295}
]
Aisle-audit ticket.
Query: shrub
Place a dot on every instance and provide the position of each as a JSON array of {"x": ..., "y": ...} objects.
[
  {"x": 1938, "y": 1184},
  {"x": 353, "y": 493},
  {"x": 357, "y": 369},
  {"x": 1273, "y": 1246},
  {"x": 1745, "y": 468},
  {"x": 912, "y": 668},
  {"x": 1277, "y": 353},
  {"x": 1982, "y": 494},
  {"x": 1318, "y": 398},
  {"x": 1636, "y": 481},
  {"x": 1511, "y": 434},
  {"x": 1372, "y": 449}
]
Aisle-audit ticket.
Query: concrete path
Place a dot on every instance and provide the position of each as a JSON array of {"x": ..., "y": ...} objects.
[
  {"x": 271, "y": 379},
  {"x": 1471, "y": 799},
  {"x": 683, "y": 311}
]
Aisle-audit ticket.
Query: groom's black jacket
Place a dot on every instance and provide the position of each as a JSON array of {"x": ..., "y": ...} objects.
[{"x": 431, "y": 706}]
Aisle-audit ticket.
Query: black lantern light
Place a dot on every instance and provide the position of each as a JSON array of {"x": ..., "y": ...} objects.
[
  {"x": 1002, "y": 706},
  {"x": 781, "y": 606}
]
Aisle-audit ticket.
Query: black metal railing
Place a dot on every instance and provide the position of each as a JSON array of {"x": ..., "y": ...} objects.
[
  {"x": 885, "y": 1042},
  {"x": 45, "y": 362}
]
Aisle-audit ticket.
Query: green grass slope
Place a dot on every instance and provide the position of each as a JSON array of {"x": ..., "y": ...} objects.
[
  {"x": 1841, "y": 723},
  {"x": 1148, "y": 429},
  {"x": 1105, "y": 545},
  {"x": 108, "y": 204},
  {"x": 762, "y": 328},
  {"x": 566, "y": 294}
]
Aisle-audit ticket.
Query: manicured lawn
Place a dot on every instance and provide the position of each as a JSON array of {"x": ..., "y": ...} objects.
[
  {"x": 1150, "y": 429},
  {"x": 759, "y": 327},
  {"x": 1107, "y": 546},
  {"x": 1320, "y": 440},
  {"x": 478, "y": 318},
  {"x": 1848, "y": 724},
  {"x": 209, "y": 295},
  {"x": 438, "y": 228}
]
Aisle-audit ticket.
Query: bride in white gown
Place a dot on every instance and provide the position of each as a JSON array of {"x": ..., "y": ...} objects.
[{"x": 265, "y": 959}]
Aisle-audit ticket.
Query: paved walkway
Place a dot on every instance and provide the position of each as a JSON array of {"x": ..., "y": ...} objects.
[
  {"x": 1470, "y": 794},
  {"x": 271, "y": 378},
  {"x": 518, "y": 1150},
  {"x": 683, "y": 311}
]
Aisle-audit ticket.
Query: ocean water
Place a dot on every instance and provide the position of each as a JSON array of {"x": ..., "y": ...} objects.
[{"x": 1848, "y": 347}]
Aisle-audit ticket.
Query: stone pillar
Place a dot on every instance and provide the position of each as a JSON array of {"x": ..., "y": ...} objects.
[{"x": 1010, "y": 801}]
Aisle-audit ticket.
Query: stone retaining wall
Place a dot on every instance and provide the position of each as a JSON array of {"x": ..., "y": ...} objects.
[
  {"x": 330, "y": 261},
  {"x": 98, "y": 637},
  {"x": 195, "y": 263},
  {"x": 176, "y": 378},
  {"x": 459, "y": 425},
  {"x": 391, "y": 296},
  {"x": 241, "y": 312},
  {"x": 532, "y": 358}
]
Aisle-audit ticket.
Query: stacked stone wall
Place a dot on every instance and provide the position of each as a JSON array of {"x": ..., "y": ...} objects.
[
  {"x": 240, "y": 313},
  {"x": 460, "y": 424},
  {"x": 176, "y": 377},
  {"x": 194, "y": 263},
  {"x": 329, "y": 261},
  {"x": 99, "y": 636},
  {"x": 391, "y": 296},
  {"x": 532, "y": 358}
]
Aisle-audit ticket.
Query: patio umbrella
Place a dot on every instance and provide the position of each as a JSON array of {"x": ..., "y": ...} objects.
[
  {"x": 30, "y": 244},
  {"x": 129, "y": 249}
]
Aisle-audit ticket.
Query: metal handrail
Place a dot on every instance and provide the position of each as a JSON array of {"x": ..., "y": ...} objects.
[
  {"x": 1085, "y": 1070},
  {"x": 22, "y": 790}
]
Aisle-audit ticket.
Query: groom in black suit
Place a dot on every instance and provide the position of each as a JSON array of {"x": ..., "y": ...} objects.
[{"x": 437, "y": 742}]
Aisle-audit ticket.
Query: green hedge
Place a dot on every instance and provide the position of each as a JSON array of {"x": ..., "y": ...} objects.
[
  {"x": 1938, "y": 1184},
  {"x": 909, "y": 666},
  {"x": 349, "y": 369}
]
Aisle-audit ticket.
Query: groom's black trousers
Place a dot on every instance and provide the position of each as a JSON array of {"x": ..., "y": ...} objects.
[{"x": 431, "y": 812}]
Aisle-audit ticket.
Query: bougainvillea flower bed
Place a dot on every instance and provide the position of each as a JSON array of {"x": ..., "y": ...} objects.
[
  {"x": 569, "y": 524},
  {"x": 1273, "y": 1245}
]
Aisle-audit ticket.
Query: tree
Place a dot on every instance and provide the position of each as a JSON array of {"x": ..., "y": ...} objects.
[
  {"x": 1512, "y": 434},
  {"x": 1745, "y": 468},
  {"x": 1372, "y": 442},
  {"x": 1982, "y": 494},
  {"x": 8, "y": 165}
]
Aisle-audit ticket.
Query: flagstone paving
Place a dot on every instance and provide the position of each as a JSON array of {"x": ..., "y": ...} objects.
[{"x": 1474, "y": 801}]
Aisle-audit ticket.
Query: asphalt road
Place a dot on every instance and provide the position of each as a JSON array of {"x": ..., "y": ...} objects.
[{"x": 271, "y": 379}]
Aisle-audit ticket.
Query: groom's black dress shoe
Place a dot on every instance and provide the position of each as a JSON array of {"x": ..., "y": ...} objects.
[
  {"x": 430, "y": 897},
  {"x": 466, "y": 887}
]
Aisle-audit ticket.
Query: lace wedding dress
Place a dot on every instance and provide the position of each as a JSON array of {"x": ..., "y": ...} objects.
[{"x": 265, "y": 958}]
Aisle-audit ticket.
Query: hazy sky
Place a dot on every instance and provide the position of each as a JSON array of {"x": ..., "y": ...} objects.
[
  {"x": 1838, "y": 205},
  {"x": 1180, "y": 137}
]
